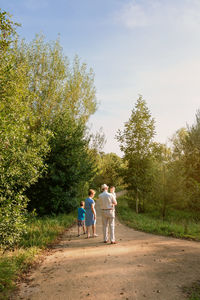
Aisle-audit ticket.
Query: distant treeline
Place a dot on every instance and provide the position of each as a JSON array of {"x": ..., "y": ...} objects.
[{"x": 160, "y": 176}]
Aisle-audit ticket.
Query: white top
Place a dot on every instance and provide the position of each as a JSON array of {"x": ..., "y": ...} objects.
[
  {"x": 114, "y": 194},
  {"x": 107, "y": 200}
]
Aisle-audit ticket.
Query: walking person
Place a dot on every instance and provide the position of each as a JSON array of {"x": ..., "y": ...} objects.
[
  {"x": 90, "y": 217},
  {"x": 107, "y": 205},
  {"x": 81, "y": 217}
]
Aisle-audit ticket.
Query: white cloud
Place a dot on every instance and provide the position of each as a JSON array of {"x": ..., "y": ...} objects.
[
  {"x": 183, "y": 13},
  {"x": 132, "y": 15}
]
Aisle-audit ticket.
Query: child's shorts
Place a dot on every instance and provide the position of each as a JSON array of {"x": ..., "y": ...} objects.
[{"x": 81, "y": 223}]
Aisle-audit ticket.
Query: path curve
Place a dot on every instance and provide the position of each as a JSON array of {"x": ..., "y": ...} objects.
[{"x": 140, "y": 266}]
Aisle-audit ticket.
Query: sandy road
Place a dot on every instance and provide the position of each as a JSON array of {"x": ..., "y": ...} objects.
[{"x": 140, "y": 266}]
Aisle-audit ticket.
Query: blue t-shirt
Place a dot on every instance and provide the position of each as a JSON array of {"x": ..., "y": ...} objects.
[{"x": 81, "y": 214}]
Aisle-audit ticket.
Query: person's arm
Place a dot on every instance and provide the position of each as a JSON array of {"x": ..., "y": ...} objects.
[
  {"x": 114, "y": 201},
  {"x": 93, "y": 211}
]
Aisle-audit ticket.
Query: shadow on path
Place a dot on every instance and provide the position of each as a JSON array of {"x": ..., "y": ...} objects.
[{"x": 140, "y": 266}]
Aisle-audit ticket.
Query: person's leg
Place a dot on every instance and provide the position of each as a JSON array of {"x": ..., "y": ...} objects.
[
  {"x": 112, "y": 225},
  {"x": 112, "y": 229},
  {"x": 88, "y": 231},
  {"x": 94, "y": 230},
  {"x": 84, "y": 228},
  {"x": 78, "y": 230},
  {"x": 105, "y": 226}
]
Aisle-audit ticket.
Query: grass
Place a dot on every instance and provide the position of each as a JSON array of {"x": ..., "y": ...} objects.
[
  {"x": 40, "y": 233},
  {"x": 193, "y": 291},
  {"x": 177, "y": 224}
]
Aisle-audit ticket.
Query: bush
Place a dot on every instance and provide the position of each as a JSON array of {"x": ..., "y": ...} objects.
[{"x": 12, "y": 221}]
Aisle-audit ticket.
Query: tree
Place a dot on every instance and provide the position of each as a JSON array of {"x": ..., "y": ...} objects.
[
  {"x": 64, "y": 100},
  {"x": 109, "y": 170},
  {"x": 21, "y": 149},
  {"x": 136, "y": 141},
  {"x": 45, "y": 104},
  {"x": 57, "y": 85},
  {"x": 69, "y": 167},
  {"x": 192, "y": 164}
]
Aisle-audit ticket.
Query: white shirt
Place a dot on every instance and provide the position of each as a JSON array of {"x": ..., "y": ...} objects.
[
  {"x": 114, "y": 194},
  {"x": 107, "y": 200}
]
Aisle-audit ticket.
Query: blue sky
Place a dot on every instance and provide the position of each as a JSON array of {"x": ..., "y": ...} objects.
[{"x": 148, "y": 47}]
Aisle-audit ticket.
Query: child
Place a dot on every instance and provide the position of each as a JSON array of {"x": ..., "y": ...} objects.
[
  {"x": 81, "y": 217},
  {"x": 112, "y": 191}
]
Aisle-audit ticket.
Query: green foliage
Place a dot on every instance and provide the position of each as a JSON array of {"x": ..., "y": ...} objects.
[
  {"x": 174, "y": 225},
  {"x": 136, "y": 141},
  {"x": 192, "y": 164},
  {"x": 79, "y": 92},
  {"x": 69, "y": 167},
  {"x": 57, "y": 85},
  {"x": 64, "y": 100},
  {"x": 39, "y": 234},
  {"x": 109, "y": 170},
  {"x": 41, "y": 231},
  {"x": 167, "y": 177},
  {"x": 136, "y": 138},
  {"x": 192, "y": 291},
  {"x": 181, "y": 172},
  {"x": 44, "y": 106},
  {"x": 7, "y": 30},
  {"x": 11, "y": 266},
  {"x": 12, "y": 220},
  {"x": 21, "y": 148}
]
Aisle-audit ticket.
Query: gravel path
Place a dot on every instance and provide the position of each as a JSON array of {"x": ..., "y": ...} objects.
[{"x": 140, "y": 266}]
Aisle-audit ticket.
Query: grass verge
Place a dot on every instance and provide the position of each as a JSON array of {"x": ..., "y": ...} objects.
[
  {"x": 193, "y": 291},
  {"x": 174, "y": 225},
  {"x": 40, "y": 233}
]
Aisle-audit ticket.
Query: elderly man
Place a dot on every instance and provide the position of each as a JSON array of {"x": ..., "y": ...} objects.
[{"x": 107, "y": 205}]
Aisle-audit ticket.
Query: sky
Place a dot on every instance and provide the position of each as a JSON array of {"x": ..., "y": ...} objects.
[{"x": 147, "y": 47}]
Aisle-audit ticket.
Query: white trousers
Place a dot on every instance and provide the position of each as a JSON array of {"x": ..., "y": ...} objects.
[{"x": 108, "y": 219}]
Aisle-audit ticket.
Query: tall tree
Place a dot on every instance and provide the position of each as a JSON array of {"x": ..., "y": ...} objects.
[
  {"x": 69, "y": 167},
  {"x": 192, "y": 163},
  {"x": 21, "y": 149},
  {"x": 64, "y": 99},
  {"x": 57, "y": 85},
  {"x": 136, "y": 141},
  {"x": 37, "y": 89}
]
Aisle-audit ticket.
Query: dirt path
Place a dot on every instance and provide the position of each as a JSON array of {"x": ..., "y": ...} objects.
[{"x": 140, "y": 266}]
